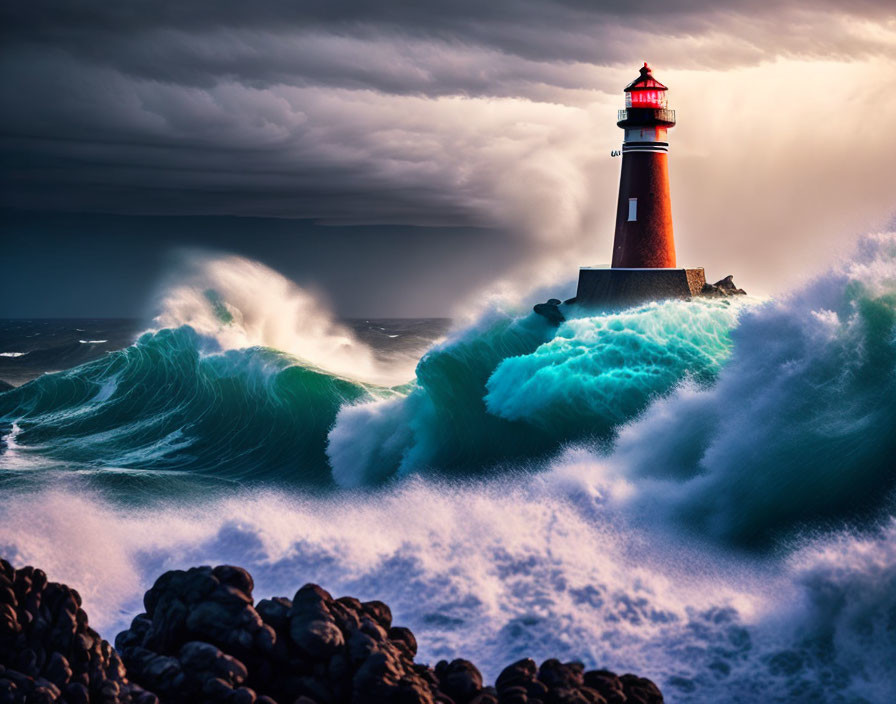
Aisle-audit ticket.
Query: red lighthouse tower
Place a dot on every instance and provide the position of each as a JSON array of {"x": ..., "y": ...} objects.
[
  {"x": 644, "y": 211},
  {"x": 643, "y": 266}
]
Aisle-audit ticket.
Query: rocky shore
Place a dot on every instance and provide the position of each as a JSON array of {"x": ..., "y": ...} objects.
[{"x": 203, "y": 638}]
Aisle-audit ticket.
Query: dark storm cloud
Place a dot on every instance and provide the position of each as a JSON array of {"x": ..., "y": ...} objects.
[
  {"x": 473, "y": 114},
  {"x": 283, "y": 108},
  {"x": 272, "y": 107},
  {"x": 433, "y": 47}
]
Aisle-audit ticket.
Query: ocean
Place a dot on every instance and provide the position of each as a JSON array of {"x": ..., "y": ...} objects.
[{"x": 700, "y": 492}]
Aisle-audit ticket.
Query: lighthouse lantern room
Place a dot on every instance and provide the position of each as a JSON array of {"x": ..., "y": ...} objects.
[{"x": 645, "y": 91}]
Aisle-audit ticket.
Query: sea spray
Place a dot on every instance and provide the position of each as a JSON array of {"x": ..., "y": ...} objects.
[
  {"x": 799, "y": 427},
  {"x": 504, "y": 569},
  {"x": 239, "y": 303},
  {"x": 498, "y": 569}
]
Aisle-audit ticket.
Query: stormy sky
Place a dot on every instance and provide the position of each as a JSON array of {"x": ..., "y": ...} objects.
[{"x": 406, "y": 158}]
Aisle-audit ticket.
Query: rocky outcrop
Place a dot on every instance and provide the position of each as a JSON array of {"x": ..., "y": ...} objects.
[
  {"x": 722, "y": 288},
  {"x": 48, "y": 653},
  {"x": 203, "y": 638}
]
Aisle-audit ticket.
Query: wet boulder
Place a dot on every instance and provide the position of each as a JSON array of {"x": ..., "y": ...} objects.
[
  {"x": 569, "y": 683},
  {"x": 202, "y": 639},
  {"x": 459, "y": 679},
  {"x": 640, "y": 690},
  {"x": 311, "y": 648}
]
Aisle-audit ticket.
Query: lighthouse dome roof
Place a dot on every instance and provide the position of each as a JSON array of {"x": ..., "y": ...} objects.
[{"x": 645, "y": 81}]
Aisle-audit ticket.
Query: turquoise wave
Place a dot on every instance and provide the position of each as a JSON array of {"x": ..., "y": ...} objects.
[
  {"x": 512, "y": 389},
  {"x": 507, "y": 391},
  {"x": 164, "y": 404}
]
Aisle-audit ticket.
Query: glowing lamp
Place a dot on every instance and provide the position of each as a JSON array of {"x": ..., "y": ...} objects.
[{"x": 645, "y": 91}]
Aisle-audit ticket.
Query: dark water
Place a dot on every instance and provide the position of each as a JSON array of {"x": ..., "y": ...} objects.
[
  {"x": 701, "y": 492},
  {"x": 29, "y": 348}
]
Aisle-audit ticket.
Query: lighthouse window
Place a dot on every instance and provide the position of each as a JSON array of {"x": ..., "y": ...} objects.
[{"x": 632, "y": 209}]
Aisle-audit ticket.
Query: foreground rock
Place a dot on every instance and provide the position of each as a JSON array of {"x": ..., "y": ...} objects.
[
  {"x": 48, "y": 653},
  {"x": 569, "y": 683},
  {"x": 203, "y": 639}
]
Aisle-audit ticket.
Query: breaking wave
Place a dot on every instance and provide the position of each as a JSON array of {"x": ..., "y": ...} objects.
[
  {"x": 241, "y": 304},
  {"x": 163, "y": 404},
  {"x": 798, "y": 430},
  {"x": 176, "y": 401}
]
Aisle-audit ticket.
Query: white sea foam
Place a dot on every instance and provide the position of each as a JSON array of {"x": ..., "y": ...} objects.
[
  {"x": 500, "y": 570},
  {"x": 17, "y": 458},
  {"x": 13, "y": 354}
]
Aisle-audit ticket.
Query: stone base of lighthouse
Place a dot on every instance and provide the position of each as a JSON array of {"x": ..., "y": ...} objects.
[{"x": 623, "y": 287}]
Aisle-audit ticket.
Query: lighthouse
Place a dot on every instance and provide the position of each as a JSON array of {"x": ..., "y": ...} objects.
[
  {"x": 644, "y": 210},
  {"x": 643, "y": 265}
]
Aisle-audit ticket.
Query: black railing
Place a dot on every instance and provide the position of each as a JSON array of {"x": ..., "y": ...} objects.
[{"x": 638, "y": 115}]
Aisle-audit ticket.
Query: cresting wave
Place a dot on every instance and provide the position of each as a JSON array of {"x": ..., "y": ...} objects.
[
  {"x": 798, "y": 431},
  {"x": 163, "y": 404},
  {"x": 793, "y": 429},
  {"x": 239, "y": 304}
]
